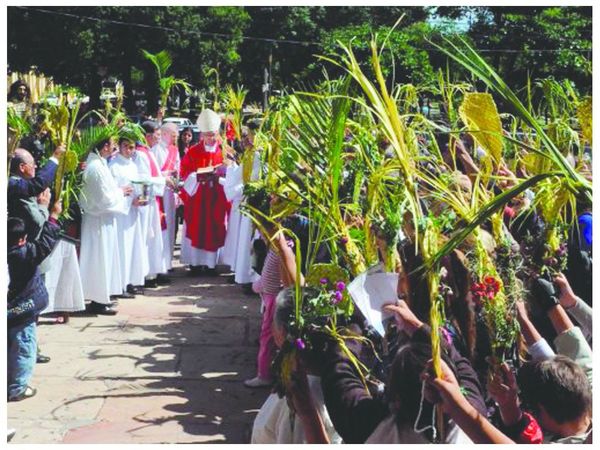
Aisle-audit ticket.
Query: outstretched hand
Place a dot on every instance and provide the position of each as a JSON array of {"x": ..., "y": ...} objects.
[
  {"x": 43, "y": 198},
  {"x": 444, "y": 389},
  {"x": 566, "y": 296},
  {"x": 59, "y": 151},
  {"x": 503, "y": 386},
  {"x": 405, "y": 318},
  {"x": 56, "y": 209}
]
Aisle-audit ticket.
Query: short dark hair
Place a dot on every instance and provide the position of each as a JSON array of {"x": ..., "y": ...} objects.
[
  {"x": 102, "y": 143},
  {"x": 149, "y": 126},
  {"x": 558, "y": 384},
  {"x": 15, "y": 228},
  {"x": 125, "y": 139}
]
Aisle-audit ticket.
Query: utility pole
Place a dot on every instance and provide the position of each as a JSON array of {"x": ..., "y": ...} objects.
[
  {"x": 267, "y": 81},
  {"x": 265, "y": 89}
]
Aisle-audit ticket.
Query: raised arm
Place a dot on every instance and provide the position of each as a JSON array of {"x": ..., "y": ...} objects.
[
  {"x": 43, "y": 246},
  {"x": 574, "y": 305},
  {"x": 454, "y": 403},
  {"x": 21, "y": 187},
  {"x": 288, "y": 261},
  {"x": 354, "y": 412}
]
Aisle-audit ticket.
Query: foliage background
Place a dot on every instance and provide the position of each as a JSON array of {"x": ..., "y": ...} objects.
[{"x": 73, "y": 48}]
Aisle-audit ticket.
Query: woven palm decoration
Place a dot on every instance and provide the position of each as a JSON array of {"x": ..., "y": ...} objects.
[
  {"x": 584, "y": 115},
  {"x": 479, "y": 113}
]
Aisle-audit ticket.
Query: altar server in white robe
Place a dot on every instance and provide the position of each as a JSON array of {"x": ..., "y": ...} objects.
[
  {"x": 240, "y": 230},
  {"x": 167, "y": 156},
  {"x": 101, "y": 200},
  {"x": 132, "y": 247},
  {"x": 152, "y": 214}
]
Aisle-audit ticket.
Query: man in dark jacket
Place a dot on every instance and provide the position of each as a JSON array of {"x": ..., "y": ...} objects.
[
  {"x": 27, "y": 297},
  {"x": 24, "y": 182},
  {"x": 25, "y": 187},
  {"x": 28, "y": 194}
]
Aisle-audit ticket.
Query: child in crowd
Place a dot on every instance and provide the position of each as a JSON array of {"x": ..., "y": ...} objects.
[{"x": 27, "y": 297}]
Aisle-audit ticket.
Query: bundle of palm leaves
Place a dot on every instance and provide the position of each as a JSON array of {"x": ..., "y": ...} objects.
[
  {"x": 357, "y": 158},
  {"x": 162, "y": 62}
]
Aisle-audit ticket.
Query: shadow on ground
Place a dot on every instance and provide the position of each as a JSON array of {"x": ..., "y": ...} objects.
[{"x": 179, "y": 377}]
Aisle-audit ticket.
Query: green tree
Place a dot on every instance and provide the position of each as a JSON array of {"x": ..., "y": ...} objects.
[
  {"x": 406, "y": 57},
  {"x": 74, "y": 49},
  {"x": 564, "y": 34}
]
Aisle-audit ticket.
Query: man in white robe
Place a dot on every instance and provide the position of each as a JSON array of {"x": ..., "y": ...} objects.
[
  {"x": 101, "y": 199},
  {"x": 237, "y": 250},
  {"x": 132, "y": 254},
  {"x": 149, "y": 173},
  {"x": 167, "y": 156}
]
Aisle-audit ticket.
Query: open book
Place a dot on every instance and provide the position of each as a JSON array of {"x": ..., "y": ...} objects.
[{"x": 205, "y": 170}]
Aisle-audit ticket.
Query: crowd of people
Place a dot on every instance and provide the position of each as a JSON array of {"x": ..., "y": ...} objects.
[
  {"x": 134, "y": 196},
  {"x": 542, "y": 394}
]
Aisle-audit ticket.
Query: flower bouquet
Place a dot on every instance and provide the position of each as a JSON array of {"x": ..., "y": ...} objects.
[{"x": 319, "y": 308}]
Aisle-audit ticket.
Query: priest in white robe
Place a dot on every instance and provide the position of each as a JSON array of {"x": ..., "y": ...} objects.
[
  {"x": 167, "y": 156},
  {"x": 101, "y": 200},
  {"x": 237, "y": 251},
  {"x": 132, "y": 249},
  {"x": 152, "y": 214}
]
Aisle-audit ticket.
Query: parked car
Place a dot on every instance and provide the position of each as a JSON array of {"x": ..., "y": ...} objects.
[
  {"x": 184, "y": 122},
  {"x": 181, "y": 122}
]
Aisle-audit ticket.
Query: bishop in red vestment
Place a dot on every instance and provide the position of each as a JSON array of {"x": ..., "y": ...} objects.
[{"x": 205, "y": 204}]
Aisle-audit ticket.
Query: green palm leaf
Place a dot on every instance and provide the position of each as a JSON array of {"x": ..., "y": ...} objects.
[
  {"x": 486, "y": 212},
  {"x": 162, "y": 61},
  {"x": 468, "y": 57}
]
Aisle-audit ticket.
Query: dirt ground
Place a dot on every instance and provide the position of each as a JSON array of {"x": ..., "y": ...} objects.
[{"x": 168, "y": 368}]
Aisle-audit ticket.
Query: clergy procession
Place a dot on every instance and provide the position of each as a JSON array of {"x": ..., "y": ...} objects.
[{"x": 396, "y": 249}]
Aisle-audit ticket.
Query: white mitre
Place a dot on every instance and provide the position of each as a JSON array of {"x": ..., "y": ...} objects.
[{"x": 208, "y": 121}]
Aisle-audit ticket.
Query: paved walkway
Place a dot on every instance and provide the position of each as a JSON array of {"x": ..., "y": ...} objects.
[{"x": 167, "y": 369}]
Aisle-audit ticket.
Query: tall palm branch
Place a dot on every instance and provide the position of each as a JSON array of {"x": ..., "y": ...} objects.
[{"x": 162, "y": 62}]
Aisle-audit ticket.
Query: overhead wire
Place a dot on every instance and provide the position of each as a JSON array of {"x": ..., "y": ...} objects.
[{"x": 263, "y": 39}]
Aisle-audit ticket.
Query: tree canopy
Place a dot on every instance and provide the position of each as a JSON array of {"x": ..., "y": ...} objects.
[{"x": 234, "y": 45}]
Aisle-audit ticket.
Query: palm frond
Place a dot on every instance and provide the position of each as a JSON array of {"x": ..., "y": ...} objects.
[
  {"x": 469, "y": 58},
  {"x": 486, "y": 212},
  {"x": 162, "y": 61}
]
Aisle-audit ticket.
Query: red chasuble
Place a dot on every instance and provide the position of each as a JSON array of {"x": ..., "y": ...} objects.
[{"x": 205, "y": 213}]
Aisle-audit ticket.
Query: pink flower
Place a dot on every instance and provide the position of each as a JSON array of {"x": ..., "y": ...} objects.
[
  {"x": 340, "y": 286},
  {"x": 323, "y": 281},
  {"x": 337, "y": 297},
  {"x": 300, "y": 345},
  {"x": 446, "y": 335}
]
